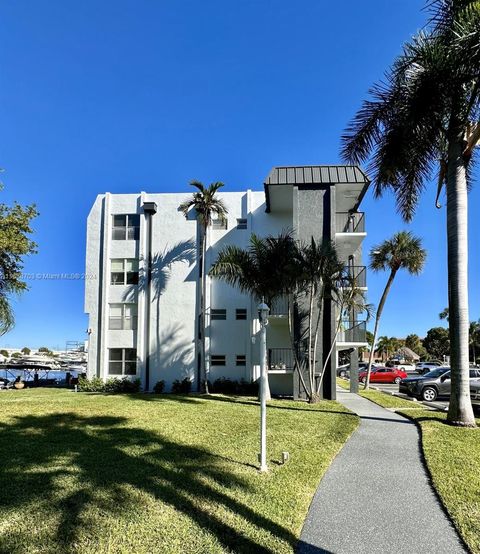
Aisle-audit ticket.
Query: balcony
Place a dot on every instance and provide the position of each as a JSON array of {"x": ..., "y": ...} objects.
[
  {"x": 279, "y": 307},
  {"x": 358, "y": 273},
  {"x": 350, "y": 232},
  {"x": 350, "y": 222},
  {"x": 352, "y": 333},
  {"x": 280, "y": 360}
]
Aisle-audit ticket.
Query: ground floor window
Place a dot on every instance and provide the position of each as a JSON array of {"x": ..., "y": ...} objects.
[
  {"x": 217, "y": 359},
  {"x": 122, "y": 361},
  {"x": 241, "y": 360}
]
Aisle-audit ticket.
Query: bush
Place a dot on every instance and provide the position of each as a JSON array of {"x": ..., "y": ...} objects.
[
  {"x": 159, "y": 387},
  {"x": 91, "y": 385},
  {"x": 182, "y": 387},
  {"x": 112, "y": 385},
  {"x": 229, "y": 386}
]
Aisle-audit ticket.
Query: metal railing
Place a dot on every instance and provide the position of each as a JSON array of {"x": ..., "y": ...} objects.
[
  {"x": 279, "y": 307},
  {"x": 352, "y": 331},
  {"x": 280, "y": 358},
  {"x": 350, "y": 222},
  {"x": 358, "y": 273}
]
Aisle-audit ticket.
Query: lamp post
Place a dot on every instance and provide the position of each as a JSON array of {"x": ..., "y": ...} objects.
[{"x": 263, "y": 311}]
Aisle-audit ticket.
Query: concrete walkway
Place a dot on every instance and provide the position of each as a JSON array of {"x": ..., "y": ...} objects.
[{"x": 376, "y": 496}]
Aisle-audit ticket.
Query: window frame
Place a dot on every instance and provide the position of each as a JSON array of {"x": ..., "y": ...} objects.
[
  {"x": 127, "y": 227},
  {"x": 123, "y": 361},
  {"x": 239, "y": 362},
  {"x": 216, "y": 314},
  {"x": 125, "y": 272},
  {"x": 219, "y": 224},
  {"x": 241, "y": 312},
  {"x": 123, "y": 318}
]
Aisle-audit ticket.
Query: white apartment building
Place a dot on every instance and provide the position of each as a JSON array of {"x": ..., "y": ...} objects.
[{"x": 145, "y": 323}]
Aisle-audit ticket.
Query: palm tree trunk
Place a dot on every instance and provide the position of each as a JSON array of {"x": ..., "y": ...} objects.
[
  {"x": 310, "y": 369},
  {"x": 203, "y": 370},
  {"x": 377, "y": 321},
  {"x": 460, "y": 410},
  {"x": 299, "y": 364}
]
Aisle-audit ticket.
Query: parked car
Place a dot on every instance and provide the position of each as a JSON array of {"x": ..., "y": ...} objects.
[
  {"x": 475, "y": 393},
  {"x": 343, "y": 370},
  {"x": 432, "y": 385},
  {"x": 425, "y": 367},
  {"x": 383, "y": 375}
]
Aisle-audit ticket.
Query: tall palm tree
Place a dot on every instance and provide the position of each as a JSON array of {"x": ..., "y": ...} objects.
[
  {"x": 402, "y": 251},
  {"x": 266, "y": 269},
  {"x": 206, "y": 203},
  {"x": 427, "y": 111}
]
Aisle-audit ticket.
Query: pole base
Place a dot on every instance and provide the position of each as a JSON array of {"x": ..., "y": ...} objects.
[{"x": 263, "y": 468}]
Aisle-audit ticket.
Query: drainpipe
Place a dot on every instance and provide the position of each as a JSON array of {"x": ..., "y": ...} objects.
[{"x": 149, "y": 208}]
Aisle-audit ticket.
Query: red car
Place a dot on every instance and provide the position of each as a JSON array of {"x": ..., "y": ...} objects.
[{"x": 383, "y": 375}]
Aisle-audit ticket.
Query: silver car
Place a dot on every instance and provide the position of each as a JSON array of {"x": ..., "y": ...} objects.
[{"x": 432, "y": 385}]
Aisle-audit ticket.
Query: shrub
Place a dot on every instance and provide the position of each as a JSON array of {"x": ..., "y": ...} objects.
[
  {"x": 224, "y": 385},
  {"x": 159, "y": 387},
  {"x": 112, "y": 385},
  {"x": 91, "y": 385},
  {"x": 182, "y": 387}
]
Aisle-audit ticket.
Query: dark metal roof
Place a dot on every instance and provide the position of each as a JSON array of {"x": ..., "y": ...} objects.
[
  {"x": 318, "y": 174},
  {"x": 315, "y": 175}
]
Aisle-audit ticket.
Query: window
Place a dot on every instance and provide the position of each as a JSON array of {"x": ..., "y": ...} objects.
[
  {"x": 126, "y": 227},
  {"x": 122, "y": 361},
  {"x": 241, "y": 359},
  {"x": 218, "y": 314},
  {"x": 124, "y": 272},
  {"x": 219, "y": 224},
  {"x": 217, "y": 359},
  {"x": 123, "y": 317},
  {"x": 241, "y": 223},
  {"x": 241, "y": 313}
]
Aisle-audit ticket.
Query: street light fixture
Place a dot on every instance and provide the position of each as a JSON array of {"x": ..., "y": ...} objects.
[{"x": 263, "y": 311}]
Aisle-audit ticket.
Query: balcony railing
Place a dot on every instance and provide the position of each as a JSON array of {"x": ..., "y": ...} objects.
[
  {"x": 353, "y": 331},
  {"x": 358, "y": 273},
  {"x": 280, "y": 359},
  {"x": 279, "y": 307},
  {"x": 350, "y": 222}
]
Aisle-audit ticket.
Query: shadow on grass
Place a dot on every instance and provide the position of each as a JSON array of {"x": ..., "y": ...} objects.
[
  {"x": 312, "y": 408},
  {"x": 104, "y": 456}
]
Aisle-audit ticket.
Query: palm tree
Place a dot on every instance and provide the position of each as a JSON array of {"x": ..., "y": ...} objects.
[
  {"x": 206, "y": 203},
  {"x": 317, "y": 269},
  {"x": 427, "y": 111},
  {"x": 474, "y": 334},
  {"x": 266, "y": 269},
  {"x": 402, "y": 251}
]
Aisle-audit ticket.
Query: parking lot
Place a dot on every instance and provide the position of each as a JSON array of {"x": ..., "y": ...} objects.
[{"x": 441, "y": 404}]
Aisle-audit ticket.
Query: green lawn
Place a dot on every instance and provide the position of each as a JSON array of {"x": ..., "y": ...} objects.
[
  {"x": 453, "y": 459},
  {"x": 89, "y": 473}
]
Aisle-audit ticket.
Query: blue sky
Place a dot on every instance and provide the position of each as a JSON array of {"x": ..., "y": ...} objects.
[{"x": 132, "y": 95}]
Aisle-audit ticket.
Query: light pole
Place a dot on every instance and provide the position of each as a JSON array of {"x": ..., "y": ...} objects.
[{"x": 263, "y": 311}]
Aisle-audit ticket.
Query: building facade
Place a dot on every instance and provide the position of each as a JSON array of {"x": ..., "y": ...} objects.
[{"x": 143, "y": 283}]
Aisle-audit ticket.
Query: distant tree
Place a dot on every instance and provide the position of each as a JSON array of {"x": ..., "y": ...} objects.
[
  {"x": 44, "y": 349},
  {"x": 444, "y": 314},
  {"x": 437, "y": 342},
  {"x": 4, "y": 353},
  {"x": 402, "y": 251},
  {"x": 16, "y": 355},
  {"x": 474, "y": 338},
  {"x": 25, "y": 350},
  {"x": 414, "y": 342},
  {"x": 14, "y": 245}
]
